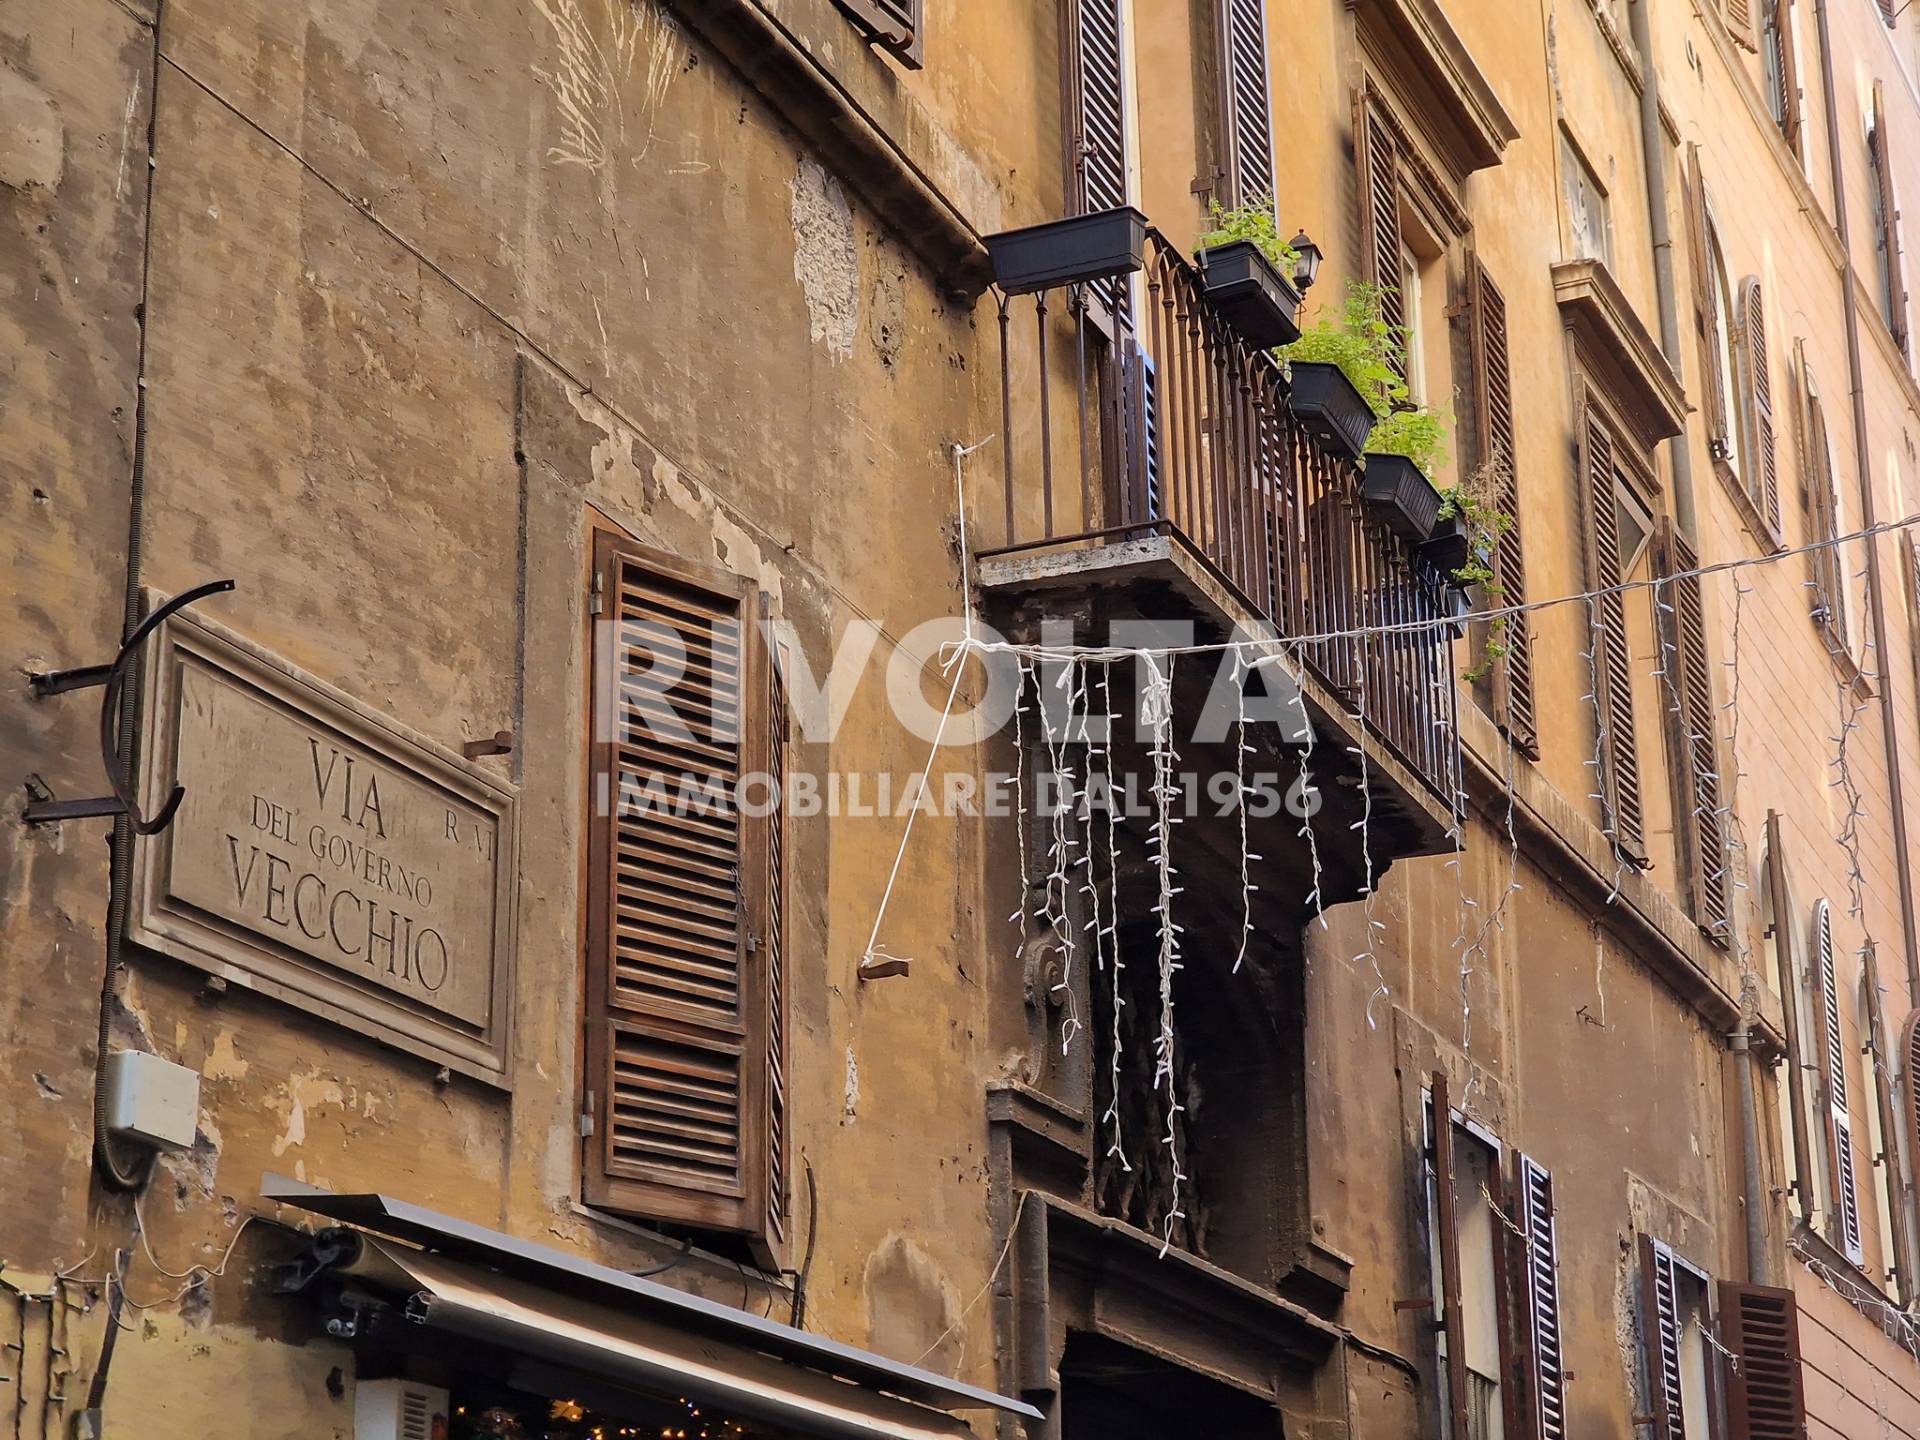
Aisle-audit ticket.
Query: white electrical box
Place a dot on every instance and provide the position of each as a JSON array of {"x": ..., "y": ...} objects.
[
  {"x": 151, "y": 1101},
  {"x": 398, "y": 1410}
]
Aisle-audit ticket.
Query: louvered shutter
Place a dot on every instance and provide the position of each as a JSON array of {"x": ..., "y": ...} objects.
[
  {"x": 1377, "y": 149},
  {"x": 1880, "y": 1066},
  {"x": 1739, "y": 17},
  {"x": 1766, "y": 460},
  {"x": 1539, "y": 1274},
  {"x": 1887, "y": 235},
  {"x": 1910, "y": 1085},
  {"x": 1660, "y": 1340},
  {"x": 682, "y": 1036},
  {"x": 1889, "y": 10},
  {"x": 1786, "y": 947},
  {"x": 895, "y": 25},
  {"x": 1684, "y": 631},
  {"x": 1440, "y": 1138},
  {"x": 1613, "y": 667},
  {"x": 1695, "y": 186},
  {"x": 772, "y": 947},
  {"x": 1097, "y": 83},
  {"x": 1761, "y": 1327},
  {"x": 1512, "y": 677},
  {"x": 1833, "y": 1067},
  {"x": 1247, "y": 110},
  {"x": 1829, "y": 569},
  {"x": 1785, "y": 67}
]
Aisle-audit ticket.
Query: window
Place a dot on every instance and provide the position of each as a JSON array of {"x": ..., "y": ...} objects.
[
  {"x": 1616, "y": 526},
  {"x": 1791, "y": 1078},
  {"x": 1383, "y": 253},
  {"x": 1100, "y": 152},
  {"x": 1412, "y": 302},
  {"x": 1888, "y": 261},
  {"x": 1876, "y": 1094},
  {"x": 1495, "y": 1273},
  {"x": 1782, "y": 66},
  {"x": 1844, "y": 1228},
  {"x": 1678, "y": 1338},
  {"x": 685, "y": 1104},
  {"x": 1725, "y": 440},
  {"x": 894, "y": 25},
  {"x": 1761, "y": 470},
  {"x": 1700, "y": 825},
  {"x": 1589, "y": 226}
]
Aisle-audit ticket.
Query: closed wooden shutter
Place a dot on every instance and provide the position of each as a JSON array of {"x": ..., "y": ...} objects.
[
  {"x": 1440, "y": 1140},
  {"x": 1761, "y": 1326},
  {"x": 1542, "y": 1354},
  {"x": 1786, "y": 947},
  {"x": 1512, "y": 677},
  {"x": 1096, "y": 81},
  {"x": 1784, "y": 66},
  {"x": 685, "y": 1031},
  {"x": 1613, "y": 661},
  {"x": 1833, "y": 1068},
  {"x": 1889, "y": 10},
  {"x": 1827, "y": 562},
  {"x": 1660, "y": 1340},
  {"x": 1887, "y": 219},
  {"x": 1695, "y": 187},
  {"x": 1684, "y": 637},
  {"x": 1766, "y": 461},
  {"x": 1377, "y": 149},
  {"x": 1910, "y": 1091},
  {"x": 895, "y": 25},
  {"x": 772, "y": 948},
  {"x": 1247, "y": 111},
  {"x": 1739, "y": 17}
]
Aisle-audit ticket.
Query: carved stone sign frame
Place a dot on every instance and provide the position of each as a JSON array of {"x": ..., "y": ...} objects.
[{"x": 324, "y": 854}]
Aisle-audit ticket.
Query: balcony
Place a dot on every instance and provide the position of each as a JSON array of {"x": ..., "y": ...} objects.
[{"x": 1174, "y": 481}]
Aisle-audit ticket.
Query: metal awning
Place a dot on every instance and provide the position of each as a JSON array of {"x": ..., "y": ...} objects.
[{"x": 612, "y": 1330}]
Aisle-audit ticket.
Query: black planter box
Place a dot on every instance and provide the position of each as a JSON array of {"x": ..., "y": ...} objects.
[
  {"x": 1328, "y": 405},
  {"x": 1399, "y": 494},
  {"x": 1250, "y": 294},
  {"x": 1446, "y": 549},
  {"x": 1066, "y": 252}
]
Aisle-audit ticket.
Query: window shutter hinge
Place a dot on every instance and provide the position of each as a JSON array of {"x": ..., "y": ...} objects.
[
  {"x": 586, "y": 1117},
  {"x": 598, "y": 602}
]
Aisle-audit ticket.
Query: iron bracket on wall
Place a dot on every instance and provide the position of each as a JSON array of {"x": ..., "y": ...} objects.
[{"x": 112, "y": 680}]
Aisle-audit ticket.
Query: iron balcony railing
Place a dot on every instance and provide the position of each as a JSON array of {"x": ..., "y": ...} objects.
[{"x": 1180, "y": 429}]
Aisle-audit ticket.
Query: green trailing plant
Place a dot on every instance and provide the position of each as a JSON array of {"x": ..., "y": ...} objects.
[
  {"x": 1252, "y": 222},
  {"x": 1471, "y": 503}
]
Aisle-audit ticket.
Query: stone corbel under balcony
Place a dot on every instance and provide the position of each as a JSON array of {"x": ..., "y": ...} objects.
[{"x": 1618, "y": 351}]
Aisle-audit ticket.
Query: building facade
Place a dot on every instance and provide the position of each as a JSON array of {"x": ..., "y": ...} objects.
[{"x": 587, "y": 399}]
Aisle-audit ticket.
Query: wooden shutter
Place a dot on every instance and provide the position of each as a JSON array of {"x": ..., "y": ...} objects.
[
  {"x": 1761, "y": 1327},
  {"x": 1440, "y": 1134},
  {"x": 1828, "y": 564},
  {"x": 1910, "y": 1093},
  {"x": 1786, "y": 940},
  {"x": 1889, "y": 10},
  {"x": 1765, "y": 459},
  {"x": 1097, "y": 86},
  {"x": 1695, "y": 187},
  {"x": 1833, "y": 1067},
  {"x": 1660, "y": 1339},
  {"x": 1887, "y": 214},
  {"x": 1739, "y": 17},
  {"x": 1542, "y": 1354},
  {"x": 1880, "y": 1065},
  {"x": 1785, "y": 65},
  {"x": 1377, "y": 151},
  {"x": 1513, "y": 707},
  {"x": 772, "y": 947},
  {"x": 1683, "y": 624},
  {"x": 1246, "y": 109},
  {"x": 895, "y": 25},
  {"x": 1613, "y": 661},
  {"x": 684, "y": 1027}
]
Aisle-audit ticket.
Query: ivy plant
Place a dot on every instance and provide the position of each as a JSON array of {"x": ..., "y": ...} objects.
[{"x": 1253, "y": 221}]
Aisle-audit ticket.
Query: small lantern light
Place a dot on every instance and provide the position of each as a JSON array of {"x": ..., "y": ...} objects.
[{"x": 1307, "y": 270}]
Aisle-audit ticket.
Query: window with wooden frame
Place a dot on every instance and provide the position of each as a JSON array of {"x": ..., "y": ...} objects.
[
  {"x": 1684, "y": 1381},
  {"x": 684, "y": 1110},
  {"x": 1888, "y": 260},
  {"x": 1700, "y": 819},
  {"x": 1883, "y": 1146},
  {"x": 1589, "y": 221},
  {"x": 896, "y": 26},
  {"x": 1246, "y": 108},
  {"x": 1781, "y": 62},
  {"x": 1494, "y": 1265},
  {"x": 1843, "y": 1209},
  {"x": 1508, "y": 686},
  {"x": 1616, "y": 527}
]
